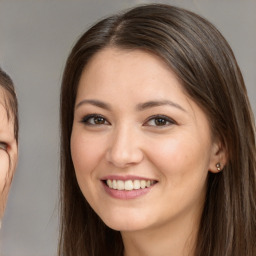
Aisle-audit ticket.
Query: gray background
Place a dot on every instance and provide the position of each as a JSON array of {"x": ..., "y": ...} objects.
[{"x": 35, "y": 39}]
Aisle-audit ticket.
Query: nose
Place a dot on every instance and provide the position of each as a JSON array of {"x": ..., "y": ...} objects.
[{"x": 124, "y": 149}]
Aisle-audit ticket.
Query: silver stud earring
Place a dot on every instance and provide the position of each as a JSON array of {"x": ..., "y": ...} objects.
[{"x": 218, "y": 166}]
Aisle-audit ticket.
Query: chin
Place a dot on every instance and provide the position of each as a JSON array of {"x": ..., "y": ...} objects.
[
  {"x": 125, "y": 222},
  {"x": 124, "y": 226}
]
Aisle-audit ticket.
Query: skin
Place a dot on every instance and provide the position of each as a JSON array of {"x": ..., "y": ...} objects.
[
  {"x": 128, "y": 141},
  {"x": 8, "y": 152}
]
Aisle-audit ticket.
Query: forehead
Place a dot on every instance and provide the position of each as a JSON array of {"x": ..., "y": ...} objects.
[
  {"x": 6, "y": 124},
  {"x": 115, "y": 66},
  {"x": 2, "y": 101},
  {"x": 5, "y": 101}
]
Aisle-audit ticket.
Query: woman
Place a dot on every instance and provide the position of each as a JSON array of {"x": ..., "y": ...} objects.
[
  {"x": 8, "y": 136},
  {"x": 158, "y": 140}
]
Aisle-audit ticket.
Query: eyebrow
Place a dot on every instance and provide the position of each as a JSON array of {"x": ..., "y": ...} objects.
[
  {"x": 157, "y": 103},
  {"x": 139, "y": 107},
  {"x": 96, "y": 103}
]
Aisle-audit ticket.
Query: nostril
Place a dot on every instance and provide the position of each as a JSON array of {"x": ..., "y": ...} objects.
[{"x": 124, "y": 157}]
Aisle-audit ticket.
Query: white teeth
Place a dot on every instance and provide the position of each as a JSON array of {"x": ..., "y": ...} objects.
[
  {"x": 109, "y": 182},
  {"x": 120, "y": 184},
  {"x": 136, "y": 184},
  {"x": 114, "y": 185},
  {"x": 129, "y": 184},
  {"x": 142, "y": 183}
]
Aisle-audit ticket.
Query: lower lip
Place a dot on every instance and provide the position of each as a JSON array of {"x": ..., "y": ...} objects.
[{"x": 126, "y": 194}]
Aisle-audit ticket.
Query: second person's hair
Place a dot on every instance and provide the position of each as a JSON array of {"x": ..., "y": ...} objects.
[{"x": 206, "y": 67}]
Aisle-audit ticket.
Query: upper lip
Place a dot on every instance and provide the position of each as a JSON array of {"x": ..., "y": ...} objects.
[{"x": 125, "y": 177}]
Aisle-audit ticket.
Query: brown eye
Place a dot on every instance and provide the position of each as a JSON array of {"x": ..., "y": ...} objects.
[
  {"x": 99, "y": 120},
  {"x": 3, "y": 145},
  {"x": 95, "y": 120},
  {"x": 159, "y": 120}
]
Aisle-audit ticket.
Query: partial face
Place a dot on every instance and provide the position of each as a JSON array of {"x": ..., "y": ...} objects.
[
  {"x": 140, "y": 147},
  {"x": 8, "y": 153}
]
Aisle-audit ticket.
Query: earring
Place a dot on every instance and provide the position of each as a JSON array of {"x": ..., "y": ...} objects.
[{"x": 218, "y": 166}]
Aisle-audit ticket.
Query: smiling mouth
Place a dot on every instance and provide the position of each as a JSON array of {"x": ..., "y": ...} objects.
[{"x": 129, "y": 184}]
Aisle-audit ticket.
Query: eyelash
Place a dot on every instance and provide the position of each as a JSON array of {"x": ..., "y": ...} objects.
[
  {"x": 87, "y": 120},
  {"x": 3, "y": 146},
  {"x": 164, "y": 120}
]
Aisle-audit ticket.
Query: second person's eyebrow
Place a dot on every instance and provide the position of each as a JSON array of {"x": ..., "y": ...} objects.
[
  {"x": 96, "y": 103},
  {"x": 157, "y": 103},
  {"x": 139, "y": 107}
]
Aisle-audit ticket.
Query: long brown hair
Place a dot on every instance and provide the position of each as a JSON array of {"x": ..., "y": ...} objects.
[{"x": 205, "y": 64}]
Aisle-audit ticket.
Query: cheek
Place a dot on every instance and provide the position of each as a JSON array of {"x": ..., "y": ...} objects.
[
  {"x": 4, "y": 180},
  {"x": 85, "y": 152},
  {"x": 183, "y": 173},
  {"x": 172, "y": 153},
  {"x": 181, "y": 158},
  {"x": 4, "y": 168}
]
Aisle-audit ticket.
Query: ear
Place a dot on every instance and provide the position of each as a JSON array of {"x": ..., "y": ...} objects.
[{"x": 218, "y": 157}]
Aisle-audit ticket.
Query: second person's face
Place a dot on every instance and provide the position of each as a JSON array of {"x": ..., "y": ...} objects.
[{"x": 141, "y": 148}]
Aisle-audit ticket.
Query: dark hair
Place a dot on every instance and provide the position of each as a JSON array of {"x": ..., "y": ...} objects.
[
  {"x": 11, "y": 102},
  {"x": 205, "y": 64}
]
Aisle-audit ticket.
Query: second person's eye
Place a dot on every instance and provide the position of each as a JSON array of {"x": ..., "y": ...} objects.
[
  {"x": 94, "y": 119},
  {"x": 159, "y": 120}
]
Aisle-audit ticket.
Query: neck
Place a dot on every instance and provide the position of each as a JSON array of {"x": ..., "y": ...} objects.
[{"x": 175, "y": 239}]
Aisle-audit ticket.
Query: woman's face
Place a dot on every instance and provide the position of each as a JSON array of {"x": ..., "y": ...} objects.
[
  {"x": 8, "y": 152},
  {"x": 141, "y": 147}
]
